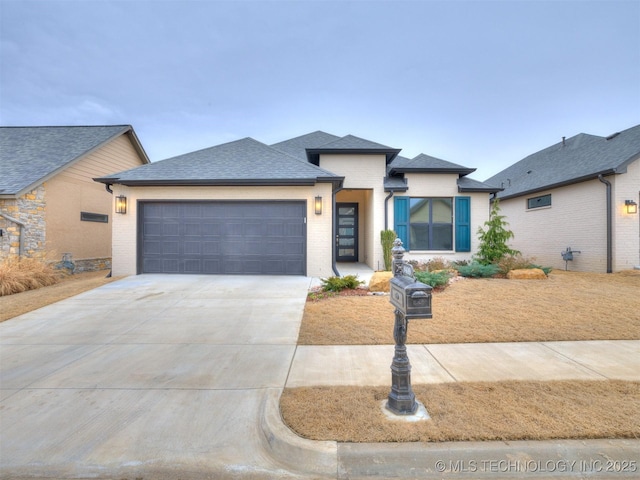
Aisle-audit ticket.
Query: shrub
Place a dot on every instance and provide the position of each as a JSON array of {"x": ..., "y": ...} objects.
[
  {"x": 435, "y": 279},
  {"x": 337, "y": 284},
  {"x": 437, "y": 263},
  {"x": 387, "y": 238},
  {"x": 477, "y": 270},
  {"x": 493, "y": 240},
  {"x": 22, "y": 274},
  {"x": 515, "y": 262}
]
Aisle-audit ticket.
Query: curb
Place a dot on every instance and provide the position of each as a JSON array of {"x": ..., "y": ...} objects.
[{"x": 295, "y": 453}]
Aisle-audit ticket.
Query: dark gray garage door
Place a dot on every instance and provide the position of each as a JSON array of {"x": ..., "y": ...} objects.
[{"x": 245, "y": 238}]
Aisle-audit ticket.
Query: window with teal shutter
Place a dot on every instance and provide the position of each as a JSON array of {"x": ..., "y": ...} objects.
[
  {"x": 401, "y": 219},
  {"x": 463, "y": 224}
]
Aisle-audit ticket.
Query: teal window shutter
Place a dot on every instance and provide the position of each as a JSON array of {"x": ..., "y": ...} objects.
[
  {"x": 463, "y": 224},
  {"x": 401, "y": 219}
]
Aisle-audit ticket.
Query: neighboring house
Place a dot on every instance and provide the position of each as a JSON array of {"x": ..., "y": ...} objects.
[
  {"x": 579, "y": 194},
  {"x": 49, "y": 203},
  {"x": 296, "y": 207}
]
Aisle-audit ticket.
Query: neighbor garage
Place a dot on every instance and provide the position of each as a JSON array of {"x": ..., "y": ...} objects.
[{"x": 222, "y": 237}]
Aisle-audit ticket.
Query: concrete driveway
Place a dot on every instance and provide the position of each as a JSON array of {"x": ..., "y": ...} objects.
[{"x": 151, "y": 376}]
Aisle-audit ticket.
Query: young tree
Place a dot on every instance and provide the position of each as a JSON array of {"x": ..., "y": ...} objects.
[{"x": 493, "y": 240}]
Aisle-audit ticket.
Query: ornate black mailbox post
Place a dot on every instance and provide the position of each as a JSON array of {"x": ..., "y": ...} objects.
[{"x": 412, "y": 300}]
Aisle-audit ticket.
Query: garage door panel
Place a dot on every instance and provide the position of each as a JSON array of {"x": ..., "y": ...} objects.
[
  {"x": 223, "y": 237},
  {"x": 171, "y": 229},
  {"x": 152, "y": 248}
]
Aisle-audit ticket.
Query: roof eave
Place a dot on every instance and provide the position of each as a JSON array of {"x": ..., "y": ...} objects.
[
  {"x": 585, "y": 178},
  {"x": 460, "y": 171},
  {"x": 218, "y": 182},
  {"x": 479, "y": 189}
]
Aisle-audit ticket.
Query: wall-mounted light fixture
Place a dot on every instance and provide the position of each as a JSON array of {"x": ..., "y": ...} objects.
[
  {"x": 121, "y": 204},
  {"x": 318, "y": 205},
  {"x": 631, "y": 206}
]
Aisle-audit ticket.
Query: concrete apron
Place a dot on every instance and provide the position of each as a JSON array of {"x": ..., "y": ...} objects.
[{"x": 152, "y": 376}]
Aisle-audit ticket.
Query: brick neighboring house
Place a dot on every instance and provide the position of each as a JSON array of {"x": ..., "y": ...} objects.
[
  {"x": 298, "y": 207},
  {"x": 578, "y": 194},
  {"x": 49, "y": 204}
]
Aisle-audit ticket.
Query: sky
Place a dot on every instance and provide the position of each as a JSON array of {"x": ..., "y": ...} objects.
[{"x": 479, "y": 83}]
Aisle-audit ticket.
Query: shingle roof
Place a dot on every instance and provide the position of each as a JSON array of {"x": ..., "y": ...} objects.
[
  {"x": 242, "y": 162},
  {"x": 351, "y": 144},
  {"x": 426, "y": 163},
  {"x": 577, "y": 159},
  {"x": 31, "y": 155},
  {"x": 466, "y": 184},
  {"x": 298, "y": 146}
]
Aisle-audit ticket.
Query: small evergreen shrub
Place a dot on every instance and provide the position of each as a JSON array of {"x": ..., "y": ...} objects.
[
  {"x": 493, "y": 240},
  {"x": 477, "y": 270},
  {"x": 337, "y": 284},
  {"x": 435, "y": 279}
]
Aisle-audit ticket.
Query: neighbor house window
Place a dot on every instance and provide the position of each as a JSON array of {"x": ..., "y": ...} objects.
[
  {"x": 94, "y": 217},
  {"x": 431, "y": 223},
  {"x": 537, "y": 202}
]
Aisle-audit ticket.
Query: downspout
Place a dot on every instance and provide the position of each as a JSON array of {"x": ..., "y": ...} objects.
[
  {"x": 21, "y": 229},
  {"x": 609, "y": 225},
  {"x": 333, "y": 232},
  {"x": 108, "y": 187},
  {"x": 386, "y": 209}
]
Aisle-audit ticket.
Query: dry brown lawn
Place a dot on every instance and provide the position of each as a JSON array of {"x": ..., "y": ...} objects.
[
  {"x": 566, "y": 306},
  {"x": 68, "y": 286},
  {"x": 469, "y": 411}
]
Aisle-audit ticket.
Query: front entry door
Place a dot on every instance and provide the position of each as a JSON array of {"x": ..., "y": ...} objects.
[{"x": 347, "y": 232}]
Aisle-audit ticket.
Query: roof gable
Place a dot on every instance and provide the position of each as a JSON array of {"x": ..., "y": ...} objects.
[
  {"x": 297, "y": 146},
  {"x": 241, "y": 162},
  {"x": 31, "y": 155},
  {"x": 350, "y": 144},
  {"x": 579, "y": 158},
  {"x": 427, "y": 164}
]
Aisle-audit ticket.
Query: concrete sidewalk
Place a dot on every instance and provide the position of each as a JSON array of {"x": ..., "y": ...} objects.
[{"x": 484, "y": 362}]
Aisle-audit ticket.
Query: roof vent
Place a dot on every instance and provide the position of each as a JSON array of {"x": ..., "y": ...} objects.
[
  {"x": 613, "y": 135},
  {"x": 563, "y": 141}
]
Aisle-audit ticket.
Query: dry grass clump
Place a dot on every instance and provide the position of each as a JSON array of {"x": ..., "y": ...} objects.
[
  {"x": 565, "y": 306},
  {"x": 22, "y": 274},
  {"x": 470, "y": 411},
  {"x": 68, "y": 286}
]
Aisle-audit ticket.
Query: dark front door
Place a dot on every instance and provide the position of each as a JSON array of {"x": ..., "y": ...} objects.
[{"x": 347, "y": 232}]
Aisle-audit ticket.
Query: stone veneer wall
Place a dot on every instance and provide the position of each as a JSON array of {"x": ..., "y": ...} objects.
[
  {"x": 91, "y": 264},
  {"x": 30, "y": 210}
]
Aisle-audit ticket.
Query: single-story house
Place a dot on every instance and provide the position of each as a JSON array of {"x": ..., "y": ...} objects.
[
  {"x": 580, "y": 194},
  {"x": 49, "y": 203},
  {"x": 298, "y": 207}
]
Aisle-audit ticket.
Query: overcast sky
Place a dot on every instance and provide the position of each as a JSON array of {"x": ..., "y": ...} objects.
[{"x": 478, "y": 83}]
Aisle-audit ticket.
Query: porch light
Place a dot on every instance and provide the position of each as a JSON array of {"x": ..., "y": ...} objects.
[
  {"x": 121, "y": 204},
  {"x": 318, "y": 205},
  {"x": 631, "y": 206}
]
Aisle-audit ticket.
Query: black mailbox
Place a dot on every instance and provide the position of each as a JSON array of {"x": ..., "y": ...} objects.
[{"x": 410, "y": 297}]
